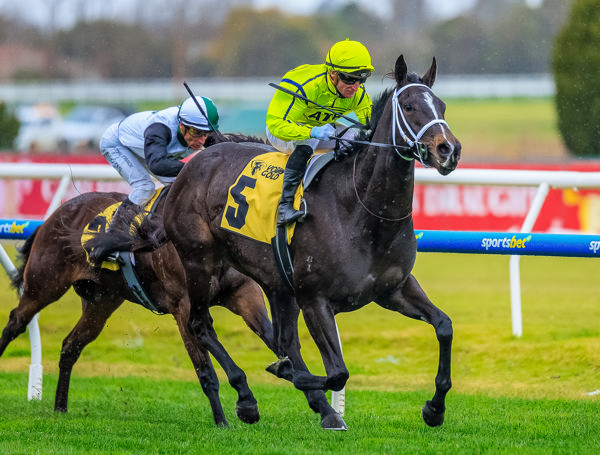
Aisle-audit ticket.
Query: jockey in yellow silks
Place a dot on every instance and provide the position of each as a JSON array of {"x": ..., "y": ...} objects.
[{"x": 297, "y": 127}]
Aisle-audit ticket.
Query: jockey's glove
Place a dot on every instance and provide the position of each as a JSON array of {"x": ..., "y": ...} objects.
[{"x": 323, "y": 133}]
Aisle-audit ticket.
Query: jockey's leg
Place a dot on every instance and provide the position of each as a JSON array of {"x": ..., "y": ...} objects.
[
  {"x": 292, "y": 176},
  {"x": 120, "y": 222}
]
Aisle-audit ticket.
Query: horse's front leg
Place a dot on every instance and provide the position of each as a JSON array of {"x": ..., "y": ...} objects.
[
  {"x": 291, "y": 366},
  {"x": 320, "y": 322},
  {"x": 412, "y": 302}
]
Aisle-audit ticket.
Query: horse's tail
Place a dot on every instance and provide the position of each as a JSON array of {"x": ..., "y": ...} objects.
[{"x": 17, "y": 276}]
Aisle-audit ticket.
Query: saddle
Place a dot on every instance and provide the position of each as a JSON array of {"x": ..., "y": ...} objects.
[{"x": 124, "y": 260}]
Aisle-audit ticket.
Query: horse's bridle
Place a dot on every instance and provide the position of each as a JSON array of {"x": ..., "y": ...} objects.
[{"x": 418, "y": 149}]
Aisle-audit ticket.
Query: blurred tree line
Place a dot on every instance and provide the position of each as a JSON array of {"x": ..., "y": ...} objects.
[
  {"x": 495, "y": 36},
  {"x": 576, "y": 68}
]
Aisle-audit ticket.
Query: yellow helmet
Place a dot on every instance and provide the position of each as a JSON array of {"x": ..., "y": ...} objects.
[{"x": 350, "y": 57}]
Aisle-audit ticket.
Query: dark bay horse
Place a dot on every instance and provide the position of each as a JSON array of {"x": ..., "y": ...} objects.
[
  {"x": 54, "y": 260},
  {"x": 356, "y": 246}
]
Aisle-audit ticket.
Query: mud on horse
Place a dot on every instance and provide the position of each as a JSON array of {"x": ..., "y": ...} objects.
[
  {"x": 54, "y": 260},
  {"x": 356, "y": 246}
]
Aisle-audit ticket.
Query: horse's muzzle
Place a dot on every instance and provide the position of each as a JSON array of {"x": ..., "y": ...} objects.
[{"x": 447, "y": 156}]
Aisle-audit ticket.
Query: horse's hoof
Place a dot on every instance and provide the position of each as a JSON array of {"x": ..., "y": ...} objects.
[
  {"x": 432, "y": 416},
  {"x": 282, "y": 369},
  {"x": 247, "y": 413},
  {"x": 333, "y": 422}
]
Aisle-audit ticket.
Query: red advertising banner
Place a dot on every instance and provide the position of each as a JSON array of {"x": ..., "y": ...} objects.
[
  {"x": 30, "y": 199},
  {"x": 438, "y": 207},
  {"x": 500, "y": 208}
]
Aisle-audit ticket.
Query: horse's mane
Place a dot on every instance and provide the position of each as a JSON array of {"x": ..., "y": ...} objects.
[{"x": 231, "y": 137}]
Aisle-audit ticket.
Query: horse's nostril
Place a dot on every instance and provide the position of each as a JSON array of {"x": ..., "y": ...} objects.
[{"x": 444, "y": 150}]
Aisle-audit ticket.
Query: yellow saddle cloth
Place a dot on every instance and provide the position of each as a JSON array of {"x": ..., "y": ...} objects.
[
  {"x": 101, "y": 222},
  {"x": 252, "y": 201}
]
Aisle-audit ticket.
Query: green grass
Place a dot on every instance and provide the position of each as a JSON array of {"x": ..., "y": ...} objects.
[
  {"x": 521, "y": 129},
  {"x": 134, "y": 391},
  {"x": 135, "y": 415}
]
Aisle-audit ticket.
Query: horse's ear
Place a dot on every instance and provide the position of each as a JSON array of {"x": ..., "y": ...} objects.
[
  {"x": 430, "y": 75},
  {"x": 400, "y": 70}
]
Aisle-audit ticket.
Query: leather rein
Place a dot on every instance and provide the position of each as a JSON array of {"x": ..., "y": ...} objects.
[{"x": 418, "y": 149}]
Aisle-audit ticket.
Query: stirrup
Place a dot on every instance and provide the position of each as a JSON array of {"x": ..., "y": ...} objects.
[
  {"x": 297, "y": 216},
  {"x": 95, "y": 257},
  {"x": 112, "y": 257}
]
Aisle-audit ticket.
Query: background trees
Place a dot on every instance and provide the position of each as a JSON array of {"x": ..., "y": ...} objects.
[
  {"x": 576, "y": 65},
  {"x": 228, "y": 38}
]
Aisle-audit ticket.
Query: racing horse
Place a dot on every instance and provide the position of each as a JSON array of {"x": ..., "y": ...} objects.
[
  {"x": 357, "y": 244},
  {"x": 53, "y": 260}
]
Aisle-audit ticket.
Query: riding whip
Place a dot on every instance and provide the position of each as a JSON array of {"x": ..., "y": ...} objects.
[{"x": 187, "y": 87}]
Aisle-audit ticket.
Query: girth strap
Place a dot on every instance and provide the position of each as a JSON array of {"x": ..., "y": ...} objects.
[{"x": 126, "y": 263}]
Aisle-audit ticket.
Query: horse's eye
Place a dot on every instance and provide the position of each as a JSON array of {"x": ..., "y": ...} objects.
[{"x": 407, "y": 107}]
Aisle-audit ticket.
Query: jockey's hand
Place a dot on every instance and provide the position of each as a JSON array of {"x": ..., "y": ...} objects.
[{"x": 323, "y": 133}]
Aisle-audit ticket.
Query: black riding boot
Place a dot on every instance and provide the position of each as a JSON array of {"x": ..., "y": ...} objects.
[
  {"x": 119, "y": 224},
  {"x": 292, "y": 176}
]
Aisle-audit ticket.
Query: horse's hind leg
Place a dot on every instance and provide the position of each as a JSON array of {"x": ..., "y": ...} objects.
[
  {"x": 18, "y": 320},
  {"x": 93, "y": 318},
  {"x": 242, "y": 296},
  {"x": 202, "y": 364},
  {"x": 412, "y": 301},
  {"x": 246, "y": 408},
  {"x": 35, "y": 297}
]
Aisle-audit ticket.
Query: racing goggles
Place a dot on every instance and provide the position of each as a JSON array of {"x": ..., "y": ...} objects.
[
  {"x": 195, "y": 132},
  {"x": 351, "y": 79}
]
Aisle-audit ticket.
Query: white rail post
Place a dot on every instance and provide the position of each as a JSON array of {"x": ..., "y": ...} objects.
[
  {"x": 36, "y": 371},
  {"x": 60, "y": 193},
  {"x": 338, "y": 399},
  {"x": 34, "y": 389},
  {"x": 515, "y": 278}
]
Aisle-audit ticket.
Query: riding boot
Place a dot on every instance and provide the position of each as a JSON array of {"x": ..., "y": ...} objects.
[
  {"x": 120, "y": 223},
  {"x": 292, "y": 176}
]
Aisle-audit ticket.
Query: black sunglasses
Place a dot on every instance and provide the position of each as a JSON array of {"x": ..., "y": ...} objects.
[{"x": 350, "y": 79}]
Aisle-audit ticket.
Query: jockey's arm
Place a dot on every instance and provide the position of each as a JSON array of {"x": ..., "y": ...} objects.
[
  {"x": 283, "y": 118},
  {"x": 156, "y": 138}
]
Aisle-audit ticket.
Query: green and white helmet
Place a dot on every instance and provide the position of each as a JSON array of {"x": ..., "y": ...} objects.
[{"x": 190, "y": 115}]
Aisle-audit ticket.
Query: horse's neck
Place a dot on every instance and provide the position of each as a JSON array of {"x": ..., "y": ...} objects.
[{"x": 384, "y": 179}]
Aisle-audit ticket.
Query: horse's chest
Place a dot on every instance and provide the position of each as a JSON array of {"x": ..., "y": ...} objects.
[{"x": 354, "y": 272}]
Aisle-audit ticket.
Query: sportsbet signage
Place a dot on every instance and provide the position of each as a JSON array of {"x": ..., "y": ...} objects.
[{"x": 17, "y": 229}]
